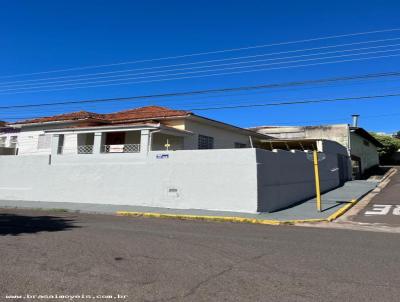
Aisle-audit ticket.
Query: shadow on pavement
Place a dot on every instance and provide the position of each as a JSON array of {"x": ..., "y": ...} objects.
[{"x": 12, "y": 224}]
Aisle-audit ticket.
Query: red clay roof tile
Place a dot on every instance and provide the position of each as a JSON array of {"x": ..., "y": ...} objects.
[
  {"x": 142, "y": 113},
  {"x": 148, "y": 112}
]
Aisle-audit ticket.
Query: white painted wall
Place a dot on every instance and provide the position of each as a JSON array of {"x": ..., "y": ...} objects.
[
  {"x": 28, "y": 143},
  {"x": 365, "y": 150},
  {"x": 242, "y": 180},
  {"x": 28, "y": 138},
  {"x": 223, "y": 138},
  {"x": 204, "y": 179}
]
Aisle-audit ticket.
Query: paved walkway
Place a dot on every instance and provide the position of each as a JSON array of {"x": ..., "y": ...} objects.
[{"x": 331, "y": 202}]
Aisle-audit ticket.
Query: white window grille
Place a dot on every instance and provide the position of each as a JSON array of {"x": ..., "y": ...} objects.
[
  {"x": 44, "y": 141},
  {"x": 132, "y": 148},
  {"x": 85, "y": 149},
  {"x": 205, "y": 142}
]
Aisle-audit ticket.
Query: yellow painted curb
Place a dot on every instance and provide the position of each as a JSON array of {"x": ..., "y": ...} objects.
[
  {"x": 342, "y": 210},
  {"x": 199, "y": 217},
  {"x": 334, "y": 216},
  {"x": 215, "y": 218}
]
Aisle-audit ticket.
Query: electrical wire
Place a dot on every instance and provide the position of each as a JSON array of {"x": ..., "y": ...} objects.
[
  {"x": 278, "y": 103},
  {"x": 201, "y": 76},
  {"x": 209, "y": 52},
  {"x": 201, "y": 67},
  {"x": 210, "y": 91},
  {"x": 209, "y": 61}
]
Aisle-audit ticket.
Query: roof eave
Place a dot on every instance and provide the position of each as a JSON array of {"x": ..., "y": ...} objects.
[
  {"x": 365, "y": 134},
  {"x": 233, "y": 127}
]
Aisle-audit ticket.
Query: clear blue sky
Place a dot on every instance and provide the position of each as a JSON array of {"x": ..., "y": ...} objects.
[{"x": 39, "y": 36}]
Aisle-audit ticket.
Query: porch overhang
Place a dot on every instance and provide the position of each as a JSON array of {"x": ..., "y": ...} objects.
[{"x": 122, "y": 128}]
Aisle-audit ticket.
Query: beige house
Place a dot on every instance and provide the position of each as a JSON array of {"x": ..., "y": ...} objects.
[
  {"x": 137, "y": 130},
  {"x": 361, "y": 146}
]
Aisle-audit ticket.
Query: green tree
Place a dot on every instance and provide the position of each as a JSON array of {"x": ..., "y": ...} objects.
[{"x": 390, "y": 146}]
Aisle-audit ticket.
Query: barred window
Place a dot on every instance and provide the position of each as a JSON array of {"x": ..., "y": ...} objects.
[
  {"x": 240, "y": 145},
  {"x": 205, "y": 142},
  {"x": 44, "y": 141}
]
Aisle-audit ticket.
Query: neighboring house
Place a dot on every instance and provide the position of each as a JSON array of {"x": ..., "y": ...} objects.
[
  {"x": 130, "y": 131},
  {"x": 8, "y": 139},
  {"x": 361, "y": 146}
]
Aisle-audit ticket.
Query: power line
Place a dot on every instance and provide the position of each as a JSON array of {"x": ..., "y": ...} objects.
[
  {"x": 207, "y": 53},
  {"x": 181, "y": 102},
  {"x": 298, "y": 102},
  {"x": 202, "y": 76},
  {"x": 201, "y": 67},
  {"x": 201, "y": 71},
  {"x": 219, "y": 90},
  {"x": 286, "y": 103},
  {"x": 184, "y": 103},
  {"x": 329, "y": 120},
  {"x": 217, "y": 60}
]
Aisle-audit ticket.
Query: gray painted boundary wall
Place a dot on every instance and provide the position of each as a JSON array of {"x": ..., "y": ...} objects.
[
  {"x": 285, "y": 178},
  {"x": 240, "y": 180}
]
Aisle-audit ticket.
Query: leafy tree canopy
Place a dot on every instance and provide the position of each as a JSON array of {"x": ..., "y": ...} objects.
[{"x": 390, "y": 146}]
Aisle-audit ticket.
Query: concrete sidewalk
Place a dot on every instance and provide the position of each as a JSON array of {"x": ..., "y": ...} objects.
[{"x": 332, "y": 202}]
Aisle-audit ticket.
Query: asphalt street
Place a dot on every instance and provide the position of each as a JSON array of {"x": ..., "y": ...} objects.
[
  {"x": 143, "y": 259},
  {"x": 384, "y": 208}
]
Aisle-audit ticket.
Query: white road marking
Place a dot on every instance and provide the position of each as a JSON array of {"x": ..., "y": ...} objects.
[
  {"x": 396, "y": 210},
  {"x": 379, "y": 209},
  {"x": 383, "y": 209}
]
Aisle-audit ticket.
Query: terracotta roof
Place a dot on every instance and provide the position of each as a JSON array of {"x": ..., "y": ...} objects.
[
  {"x": 148, "y": 112},
  {"x": 73, "y": 116},
  {"x": 142, "y": 113},
  {"x": 91, "y": 124}
]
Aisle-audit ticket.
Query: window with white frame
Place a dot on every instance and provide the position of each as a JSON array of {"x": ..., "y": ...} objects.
[
  {"x": 3, "y": 140},
  {"x": 44, "y": 141},
  {"x": 13, "y": 141},
  {"x": 205, "y": 142}
]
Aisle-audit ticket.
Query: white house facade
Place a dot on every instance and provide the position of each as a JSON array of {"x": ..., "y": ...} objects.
[{"x": 138, "y": 130}]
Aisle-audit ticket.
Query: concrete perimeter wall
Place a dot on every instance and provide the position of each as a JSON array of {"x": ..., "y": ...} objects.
[
  {"x": 199, "y": 179},
  {"x": 241, "y": 180},
  {"x": 287, "y": 177}
]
